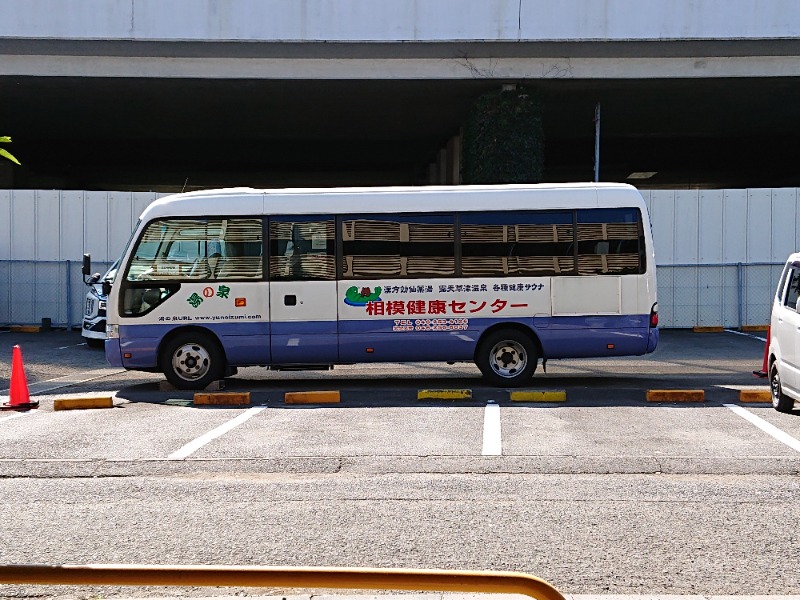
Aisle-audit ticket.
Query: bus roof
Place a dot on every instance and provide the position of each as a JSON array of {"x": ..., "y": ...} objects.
[{"x": 299, "y": 201}]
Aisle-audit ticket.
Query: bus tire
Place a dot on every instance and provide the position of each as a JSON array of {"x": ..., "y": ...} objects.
[
  {"x": 191, "y": 360},
  {"x": 780, "y": 401},
  {"x": 507, "y": 358}
]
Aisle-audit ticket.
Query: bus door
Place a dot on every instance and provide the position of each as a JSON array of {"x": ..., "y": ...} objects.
[{"x": 303, "y": 299}]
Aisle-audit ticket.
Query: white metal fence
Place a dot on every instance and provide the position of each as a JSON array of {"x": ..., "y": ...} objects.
[
  {"x": 719, "y": 252},
  {"x": 43, "y": 236}
]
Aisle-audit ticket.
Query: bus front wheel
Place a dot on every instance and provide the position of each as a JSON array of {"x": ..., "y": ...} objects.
[
  {"x": 192, "y": 360},
  {"x": 507, "y": 358}
]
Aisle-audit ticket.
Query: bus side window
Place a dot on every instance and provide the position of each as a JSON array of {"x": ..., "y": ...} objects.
[
  {"x": 239, "y": 251},
  {"x": 610, "y": 241},
  {"x": 184, "y": 249},
  {"x": 513, "y": 244},
  {"x": 302, "y": 248},
  {"x": 139, "y": 301},
  {"x": 413, "y": 246}
]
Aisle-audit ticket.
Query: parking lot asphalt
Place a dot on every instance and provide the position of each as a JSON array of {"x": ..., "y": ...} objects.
[{"x": 605, "y": 479}]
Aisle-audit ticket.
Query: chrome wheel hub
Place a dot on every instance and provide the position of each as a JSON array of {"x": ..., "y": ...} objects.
[
  {"x": 508, "y": 358},
  {"x": 191, "y": 362}
]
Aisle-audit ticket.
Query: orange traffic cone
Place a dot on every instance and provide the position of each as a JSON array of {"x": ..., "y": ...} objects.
[
  {"x": 20, "y": 398},
  {"x": 765, "y": 362}
]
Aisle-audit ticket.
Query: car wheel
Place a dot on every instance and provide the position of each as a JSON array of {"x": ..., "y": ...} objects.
[
  {"x": 95, "y": 343},
  {"x": 780, "y": 401},
  {"x": 507, "y": 358},
  {"x": 192, "y": 360}
]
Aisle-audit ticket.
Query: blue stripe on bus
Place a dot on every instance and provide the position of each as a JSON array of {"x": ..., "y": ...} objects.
[
  {"x": 316, "y": 342},
  {"x": 304, "y": 328},
  {"x": 245, "y": 343},
  {"x": 560, "y": 337}
]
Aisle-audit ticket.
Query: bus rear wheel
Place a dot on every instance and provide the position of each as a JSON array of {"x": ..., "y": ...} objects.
[
  {"x": 192, "y": 360},
  {"x": 507, "y": 358}
]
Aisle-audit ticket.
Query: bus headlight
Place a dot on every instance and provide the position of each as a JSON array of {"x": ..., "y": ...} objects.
[{"x": 112, "y": 331}]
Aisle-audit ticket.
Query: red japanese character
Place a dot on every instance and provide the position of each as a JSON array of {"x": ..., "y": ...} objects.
[
  {"x": 473, "y": 310},
  {"x": 395, "y": 307},
  {"x": 437, "y": 307},
  {"x": 457, "y": 307},
  {"x": 375, "y": 308},
  {"x": 498, "y": 305},
  {"x": 415, "y": 307}
]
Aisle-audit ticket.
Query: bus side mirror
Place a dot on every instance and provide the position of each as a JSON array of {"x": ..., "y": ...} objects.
[
  {"x": 87, "y": 268},
  {"x": 106, "y": 288}
]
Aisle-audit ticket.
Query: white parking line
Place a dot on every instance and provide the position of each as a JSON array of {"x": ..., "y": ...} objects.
[
  {"x": 195, "y": 445},
  {"x": 14, "y": 416},
  {"x": 40, "y": 387},
  {"x": 779, "y": 435},
  {"x": 750, "y": 335},
  {"x": 492, "y": 440}
]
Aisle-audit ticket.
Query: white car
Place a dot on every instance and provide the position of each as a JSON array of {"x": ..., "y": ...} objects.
[{"x": 784, "y": 342}]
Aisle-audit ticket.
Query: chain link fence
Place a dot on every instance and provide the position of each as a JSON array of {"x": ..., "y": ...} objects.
[
  {"x": 714, "y": 295},
  {"x": 727, "y": 295},
  {"x": 33, "y": 291}
]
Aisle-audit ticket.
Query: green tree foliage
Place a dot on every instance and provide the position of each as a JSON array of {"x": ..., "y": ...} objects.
[
  {"x": 504, "y": 138},
  {"x": 7, "y": 139}
]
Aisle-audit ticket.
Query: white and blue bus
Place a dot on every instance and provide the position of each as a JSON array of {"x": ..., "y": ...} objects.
[{"x": 504, "y": 276}]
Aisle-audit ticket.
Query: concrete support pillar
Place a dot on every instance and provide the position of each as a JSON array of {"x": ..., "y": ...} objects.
[
  {"x": 441, "y": 167},
  {"x": 432, "y": 172},
  {"x": 454, "y": 160},
  {"x": 447, "y": 168}
]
